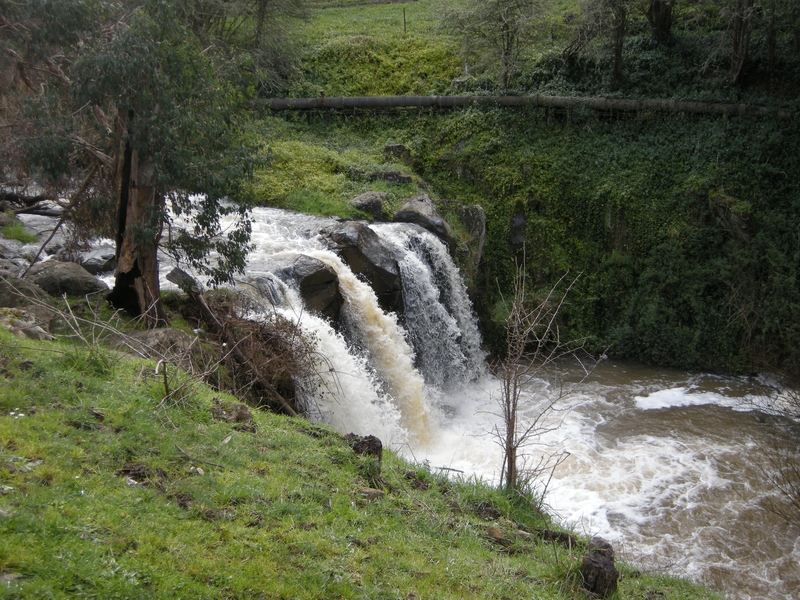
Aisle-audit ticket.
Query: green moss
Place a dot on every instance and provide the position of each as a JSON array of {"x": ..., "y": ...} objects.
[{"x": 15, "y": 230}]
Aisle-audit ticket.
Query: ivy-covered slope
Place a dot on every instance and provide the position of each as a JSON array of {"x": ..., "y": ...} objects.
[{"x": 683, "y": 228}]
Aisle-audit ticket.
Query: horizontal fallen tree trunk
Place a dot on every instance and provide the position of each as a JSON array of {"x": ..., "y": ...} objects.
[{"x": 565, "y": 102}]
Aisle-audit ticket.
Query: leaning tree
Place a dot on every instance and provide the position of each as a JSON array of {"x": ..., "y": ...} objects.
[{"x": 117, "y": 105}]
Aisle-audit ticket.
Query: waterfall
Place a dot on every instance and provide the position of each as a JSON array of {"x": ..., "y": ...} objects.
[
  {"x": 342, "y": 392},
  {"x": 379, "y": 373},
  {"x": 438, "y": 314},
  {"x": 385, "y": 346}
]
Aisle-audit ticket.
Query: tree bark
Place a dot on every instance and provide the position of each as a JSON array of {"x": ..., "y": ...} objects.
[
  {"x": 618, "y": 28},
  {"x": 659, "y": 15},
  {"x": 741, "y": 28},
  {"x": 772, "y": 35},
  {"x": 140, "y": 207}
]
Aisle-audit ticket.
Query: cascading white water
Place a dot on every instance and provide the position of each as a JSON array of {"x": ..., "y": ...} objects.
[
  {"x": 342, "y": 393},
  {"x": 438, "y": 314},
  {"x": 387, "y": 351}
]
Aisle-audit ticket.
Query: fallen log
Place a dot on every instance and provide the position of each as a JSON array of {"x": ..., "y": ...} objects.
[{"x": 560, "y": 102}]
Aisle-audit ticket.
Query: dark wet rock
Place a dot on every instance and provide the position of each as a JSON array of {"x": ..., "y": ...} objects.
[
  {"x": 10, "y": 249},
  {"x": 421, "y": 211},
  {"x": 316, "y": 281},
  {"x": 370, "y": 203},
  {"x": 16, "y": 292},
  {"x": 368, "y": 257},
  {"x": 9, "y": 268},
  {"x": 600, "y": 575},
  {"x": 57, "y": 278},
  {"x": 99, "y": 260},
  {"x": 474, "y": 221},
  {"x": 368, "y": 445},
  {"x": 517, "y": 239}
]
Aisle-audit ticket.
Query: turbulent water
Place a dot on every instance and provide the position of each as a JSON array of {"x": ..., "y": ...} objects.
[{"x": 668, "y": 466}]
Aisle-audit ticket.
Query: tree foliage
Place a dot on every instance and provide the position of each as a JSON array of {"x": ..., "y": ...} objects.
[
  {"x": 124, "y": 95},
  {"x": 261, "y": 28},
  {"x": 494, "y": 32}
]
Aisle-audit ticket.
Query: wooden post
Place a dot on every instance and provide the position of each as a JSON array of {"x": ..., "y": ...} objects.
[{"x": 404, "y": 22}]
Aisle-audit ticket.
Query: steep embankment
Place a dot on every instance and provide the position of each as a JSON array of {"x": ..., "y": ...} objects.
[
  {"x": 681, "y": 226},
  {"x": 109, "y": 488}
]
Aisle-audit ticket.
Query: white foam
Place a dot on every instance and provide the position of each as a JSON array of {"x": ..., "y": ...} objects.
[{"x": 681, "y": 396}]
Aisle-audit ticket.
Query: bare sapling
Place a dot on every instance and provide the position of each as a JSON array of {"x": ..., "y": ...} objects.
[
  {"x": 535, "y": 351},
  {"x": 780, "y": 463}
]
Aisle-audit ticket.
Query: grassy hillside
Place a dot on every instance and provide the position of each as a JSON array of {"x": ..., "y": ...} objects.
[
  {"x": 107, "y": 490},
  {"x": 361, "y": 48}
]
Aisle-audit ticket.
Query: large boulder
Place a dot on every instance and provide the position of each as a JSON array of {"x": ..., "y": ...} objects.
[
  {"x": 10, "y": 249},
  {"x": 317, "y": 282},
  {"x": 57, "y": 278},
  {"x": 368, "y": 257},
  {"x": 600, "y": 575},
  {"x": 420, "y": 210},
  {"x": 16, "y": 292},
  {"x": 370, "y": 203}
]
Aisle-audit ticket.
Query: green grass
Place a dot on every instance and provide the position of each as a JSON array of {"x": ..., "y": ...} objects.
[
  {"x": 319, "y": 172},
  {"x": 365, "y": 51},
  {"x": 15, "y": 230},
  {"x": 109, "y": 492},
  {"x": 357, "y": 50}
]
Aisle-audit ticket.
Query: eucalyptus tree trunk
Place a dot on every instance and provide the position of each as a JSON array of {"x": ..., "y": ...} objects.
[
  {"x": 508, "y": 40},
  {"x": 140, "y": 207},
  {"x": 659, "y": 15},
  {"x": 741, "y": 28},
  {"x": 619, "y": 25},
  {"x": 772, "y": 35}
]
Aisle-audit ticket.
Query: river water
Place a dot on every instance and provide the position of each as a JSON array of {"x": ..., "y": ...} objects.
[{"x": 667, "y": 465}]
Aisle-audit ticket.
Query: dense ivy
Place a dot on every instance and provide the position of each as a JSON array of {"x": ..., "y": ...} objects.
[{"x": 685, "y": 229}]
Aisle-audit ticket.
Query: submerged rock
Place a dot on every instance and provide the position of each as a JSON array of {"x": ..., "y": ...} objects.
[
  {"x": 316, "y": 281},
  {"x": 99, "y": 260},
  {"x": 368, "y": 257}
]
